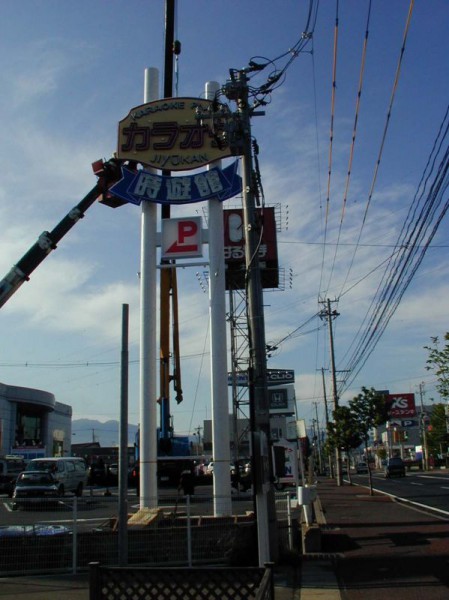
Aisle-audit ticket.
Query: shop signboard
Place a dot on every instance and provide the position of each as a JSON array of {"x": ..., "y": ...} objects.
[
  {"x": 401, "y": 405},
  {"x": 169, "y": 134}
]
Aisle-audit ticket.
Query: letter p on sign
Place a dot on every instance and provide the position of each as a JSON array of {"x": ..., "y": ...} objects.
[{"x": 181, "y": 238}]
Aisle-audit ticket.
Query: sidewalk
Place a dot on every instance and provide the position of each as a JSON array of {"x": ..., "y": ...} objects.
[{"x": 378, "y": 545}]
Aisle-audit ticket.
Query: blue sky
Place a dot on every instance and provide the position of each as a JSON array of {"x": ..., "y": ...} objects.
[{"x": 69, "y": 72}]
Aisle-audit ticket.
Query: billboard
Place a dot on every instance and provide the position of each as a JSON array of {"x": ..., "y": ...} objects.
[
  {"x": 167, "y": 134},
  {"x": 278, "y": 399},
  {"x": 234, "y": 248},
  {"x": 401, "y": 405},
  {"x": 274, "y": 377},
  {"x": 281, "y": 399}
]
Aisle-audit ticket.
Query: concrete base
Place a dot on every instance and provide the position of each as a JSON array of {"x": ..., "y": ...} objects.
[{"x": 311, "y": 538}]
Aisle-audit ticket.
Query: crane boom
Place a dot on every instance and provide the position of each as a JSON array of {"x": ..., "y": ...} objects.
[{"x": 108, "y": 173}]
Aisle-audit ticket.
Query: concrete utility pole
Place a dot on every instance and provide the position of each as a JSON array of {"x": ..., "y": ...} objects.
[
  {"x": 425, "y": 454},
  {"x": 329, "y": 316},
  {"x": 326, "y": 413},
  {"x": 318, "y": 434},
  {"x": 237, "y": 89}
]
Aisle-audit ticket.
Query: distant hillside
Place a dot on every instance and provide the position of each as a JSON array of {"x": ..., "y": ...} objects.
[{"x": 107, "y": 434}]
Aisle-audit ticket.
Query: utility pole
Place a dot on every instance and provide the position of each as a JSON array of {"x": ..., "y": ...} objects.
[
  {"x": 198, "y": 433},
  {"x": 318, "y": 433},
  {"x": 237, "y": 89},
  {"x": 326, "y": 414},
  {"x": 425, "y": 455},
  {"x": 329, "y": 315}
]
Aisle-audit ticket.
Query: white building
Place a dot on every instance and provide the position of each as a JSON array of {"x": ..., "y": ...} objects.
[{"x": 33, "y": 424}]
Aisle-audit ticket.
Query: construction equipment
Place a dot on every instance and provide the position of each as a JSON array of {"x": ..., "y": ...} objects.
[{"x": 108, "y": 173}]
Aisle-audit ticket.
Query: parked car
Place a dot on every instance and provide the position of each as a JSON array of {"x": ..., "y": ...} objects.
[
  {"x": 35, "y": 487},
  {"x": 10, "y": 467},
  {"x": 113, "y": 469},
  {"x": 395, "y": 467},
  {"x": 70, "y": 472},
  {"x": 361, "y": 468},
  {"x": 40, "y": 530}
]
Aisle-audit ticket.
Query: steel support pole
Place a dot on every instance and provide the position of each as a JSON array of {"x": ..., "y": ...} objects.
[{"x": 218, "y": 347}]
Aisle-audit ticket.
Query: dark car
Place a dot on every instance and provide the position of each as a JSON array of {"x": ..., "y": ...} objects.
[
  {"x": 361, "y": 467},
  {"x": 35, "y": 487},
  {"x": 97, "y": 473},
  {"x": 10, "y": 467},
  {"x": 395, "y": 467}
]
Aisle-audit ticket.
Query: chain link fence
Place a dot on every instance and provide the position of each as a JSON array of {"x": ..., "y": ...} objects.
[{"x": 66, "y": 534}]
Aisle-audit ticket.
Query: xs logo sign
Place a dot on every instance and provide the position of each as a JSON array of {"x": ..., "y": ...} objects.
[
  {"x": 399, "y": 402},
  {"x": 402, "y": 405}
]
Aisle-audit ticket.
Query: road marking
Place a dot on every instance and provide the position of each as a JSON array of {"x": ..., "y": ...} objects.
[
  {"x": 432, "y": 477},
  {"x": 444, "y": 487},
  {"x": 413, "y": 504},
  {"x": 414, "y": 483}
]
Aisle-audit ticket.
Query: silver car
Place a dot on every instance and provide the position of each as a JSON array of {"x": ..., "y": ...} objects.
[{"x": 35, "y": 488}]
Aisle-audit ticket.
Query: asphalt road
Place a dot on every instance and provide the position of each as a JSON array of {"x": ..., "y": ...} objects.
[
  {"x": 98, "y": 506},
  {"x": 427, "y": 490}
]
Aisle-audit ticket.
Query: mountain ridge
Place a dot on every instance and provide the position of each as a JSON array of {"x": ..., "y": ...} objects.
[{"x": 106, "y": 433}]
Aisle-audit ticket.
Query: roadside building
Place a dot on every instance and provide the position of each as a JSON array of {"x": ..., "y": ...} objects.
[{"x": 33, "y": 424}]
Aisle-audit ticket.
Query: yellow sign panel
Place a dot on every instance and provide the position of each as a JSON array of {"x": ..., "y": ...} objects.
[{"x": 167, "y": 134}]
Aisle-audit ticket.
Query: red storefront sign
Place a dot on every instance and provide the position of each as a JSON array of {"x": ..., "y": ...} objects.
[{"x": 401, "y": 405}]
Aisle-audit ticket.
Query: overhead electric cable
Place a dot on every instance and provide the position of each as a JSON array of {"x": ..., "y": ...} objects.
[
  {"x": 415, "y": 239},
  {"x": 354, "y": 135},
  {"x": 407, "y": 245},
  {"x": 384, "y": 136},
  {"x": 331, "y": 141}
]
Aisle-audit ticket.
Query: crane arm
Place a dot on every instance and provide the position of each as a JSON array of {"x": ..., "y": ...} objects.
[{"x": 108, "y": 173}]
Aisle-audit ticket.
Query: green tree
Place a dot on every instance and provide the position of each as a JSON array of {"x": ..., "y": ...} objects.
[
  {"x": 344, "y": 433},
  {"x": 369, "y": 410},
  {"x": 437, "y": 436},
  {"x": 438, "y": 362}
]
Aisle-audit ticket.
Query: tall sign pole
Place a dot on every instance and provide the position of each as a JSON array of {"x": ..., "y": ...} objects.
[
  {"x": 148, "y": 344},
  {"x": 218, "y": 347}
]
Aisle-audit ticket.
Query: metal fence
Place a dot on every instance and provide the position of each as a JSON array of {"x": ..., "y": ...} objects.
[{"x": 67, "y": 534}]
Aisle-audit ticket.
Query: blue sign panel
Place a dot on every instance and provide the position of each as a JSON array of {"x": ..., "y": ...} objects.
[{"x": 138, "y": 186}]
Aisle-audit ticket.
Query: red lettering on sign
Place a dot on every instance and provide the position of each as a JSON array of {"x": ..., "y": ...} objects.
[{"x": 186, "y": 229}]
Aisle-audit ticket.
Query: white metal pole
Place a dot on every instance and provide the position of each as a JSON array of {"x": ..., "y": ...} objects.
[
  {"x": 148, "y": 358},
  {"x": 219, "y": 376}
]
